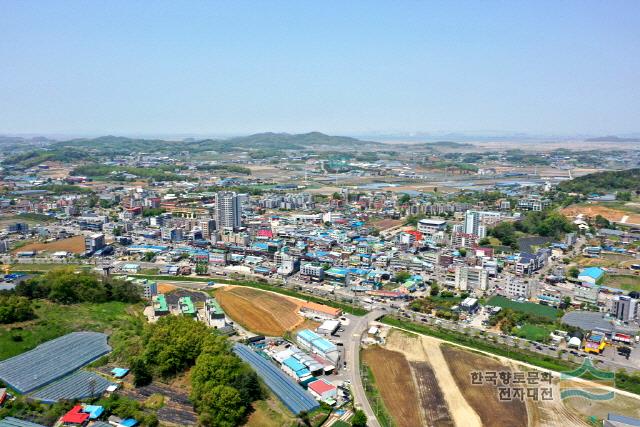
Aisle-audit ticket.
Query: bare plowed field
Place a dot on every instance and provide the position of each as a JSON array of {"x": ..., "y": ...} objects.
[
  {"x": 72, "y": 244},
  {"x": 261, "y": 312},
  {"x": 431, "y": 398},
  {"x": 393, "y": 378},
  {"x": 483, "y": 398}
]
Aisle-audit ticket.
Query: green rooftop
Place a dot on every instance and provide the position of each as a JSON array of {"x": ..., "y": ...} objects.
[
  {"x": 186, "y": 306},
  {"x": 213, "y": 306},
  {"x": 160, "y": 303}
]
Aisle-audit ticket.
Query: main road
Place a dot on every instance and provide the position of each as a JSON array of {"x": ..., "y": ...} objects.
[{"x": 359, "y": 326}]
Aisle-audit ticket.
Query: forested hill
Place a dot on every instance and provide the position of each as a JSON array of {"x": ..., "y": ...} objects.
[
  {"x": 279, "y": 141},
  {"x": 603, "y": 182},
  {"x": 91, "y": 149}
]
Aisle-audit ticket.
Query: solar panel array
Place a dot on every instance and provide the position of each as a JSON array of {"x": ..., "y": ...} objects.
[
  {"x": 288, "y": 391},
  {"x": 52, "y": 360},
  {"x": 79, "y": 385}
]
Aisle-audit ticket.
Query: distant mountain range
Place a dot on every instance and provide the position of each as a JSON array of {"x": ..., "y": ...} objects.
[{"x": 612, "y": 138}]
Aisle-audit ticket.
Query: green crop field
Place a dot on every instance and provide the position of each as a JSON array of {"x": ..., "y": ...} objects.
[
  {"x": 625, "y": 282},
  {"x": 525, "y": 307},
  {"x": 532, "y": 332}
]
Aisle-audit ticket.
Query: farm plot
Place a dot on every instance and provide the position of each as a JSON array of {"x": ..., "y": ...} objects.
[
  {"x": 261, "y": 312},
  {"x": 483, "y": 398},
  {"x": 441, "y": 401},
  {"x": 627, "y": 282},
  {"x": 392, "y": 374},
  {"x": 72, "y": 244},
  {"x": 176, "y": 410},
  {"x": 431, "y": 397}
]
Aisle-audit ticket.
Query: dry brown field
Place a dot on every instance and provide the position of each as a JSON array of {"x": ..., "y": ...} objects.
[
  {"x": 260, "y": 312},
  {"x": 73, "y": 244},
  {"x": 483, "y": 398},
  {"x": 394, "y": 381}
]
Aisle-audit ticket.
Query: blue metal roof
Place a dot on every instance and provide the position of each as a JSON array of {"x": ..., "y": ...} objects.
[
  {"x": 308, "y": 335},
  {"x": 288, "y": 391},
  {"x": 324, "y": 345},
  {"x": 293, "y": 364},
  {"x": 593, "y": 272}
]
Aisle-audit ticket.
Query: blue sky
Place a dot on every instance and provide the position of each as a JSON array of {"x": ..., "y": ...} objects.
[{"x": 153, "y": 67}]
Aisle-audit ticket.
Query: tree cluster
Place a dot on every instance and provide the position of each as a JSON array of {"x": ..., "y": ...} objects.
[
  {"x": 15, "y": 309},
  {"x": 547, "y": 223},
  {"x": 600, "y": 182},
  {"x": 222, "y": 386},
  {"x": 66, "y": 286}
]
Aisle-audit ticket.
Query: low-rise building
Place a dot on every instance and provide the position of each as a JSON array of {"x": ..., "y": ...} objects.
[
  {"x": 214, "y": 314},
  {"x": 322, "y": 389},
  {"x": 160, "y": 306},
  {"x": 313, "y": 271}
]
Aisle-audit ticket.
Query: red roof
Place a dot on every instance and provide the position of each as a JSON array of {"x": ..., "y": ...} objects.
[
  {"x": 265, "y": 233},
  {"x": 415, "y": 233},
  {"x": 75, "y": 416},
  {"x": 382, "y": 293},
  {"x": 321, "y": 387}
]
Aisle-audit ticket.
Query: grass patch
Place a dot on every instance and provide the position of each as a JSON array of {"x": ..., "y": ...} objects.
[
  {"x": 525, "y": 307},
  {"x": 19, "y": 268},
  {"x": 607, "y": 260},
  {"x": 347, "y": 308},
  {"x": 624, "y": 282},
  {"x": 55, "y": 320},
  {"x": 532, "y": 332},
  {"x": 270, "y": 413}
]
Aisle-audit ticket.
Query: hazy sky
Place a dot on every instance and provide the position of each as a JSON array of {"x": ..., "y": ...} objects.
[{"x": 333, "y": 66}]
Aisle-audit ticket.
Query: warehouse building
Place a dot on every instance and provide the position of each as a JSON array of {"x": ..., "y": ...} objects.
[
  {"x": 315, "y": 309},
  {"x": 295, "y": 369},
  {"x": 312, "y": 342}
]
